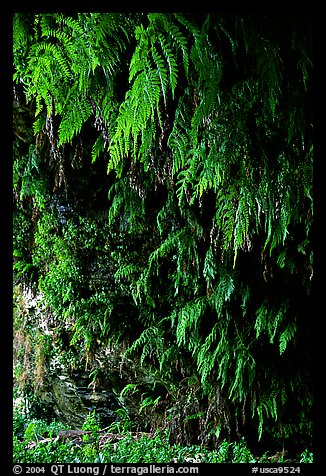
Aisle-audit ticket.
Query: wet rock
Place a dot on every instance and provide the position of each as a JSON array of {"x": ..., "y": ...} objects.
[
  {"x": 70, "y": 388},
  {"x": 72, "y": 403}
]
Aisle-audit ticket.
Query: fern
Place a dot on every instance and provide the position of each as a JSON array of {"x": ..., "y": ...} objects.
[
  {"x": 178, "y": 142},
  {"x": 210, "y": 268},
  {"x": 268, "y": 407},
  {"x": 226, "y": 287},
  {"x": 171, "y": 61},
  {"x": 73, "y": 119},
  {"x": 162, "y": 73},
  {"x": 188, "y": 319},
  {"x": 225, "y": 217},
  {"x": 39, "y": 123},
  {"x": 271, "y": 74},
  {"x": 210, "y": 176},
  {"x": 270, "y": 320},
  {"x": 166, "y": 218},
  {"x": 172, "y": 242},
  {"x": 206, "y": 357},
  {"x": 268, "y": 65},
  {"x": 150, "y": 339},
  {"x": 225, "y": 359},
  {"x": 241, "y": 228},
  {"x": 245, "y": 367},
  {"x": 115, "y": 209},
  {"x": 125, "y": 272},
  {"x": 287, "y": 335},
  {"x": 193, "y": 29},
  {"x": 153, "y": 73},
  {"x": 129, "y": 388},
  {"x": 98, "y": 147},
  {"x": 178, "y": 38}
]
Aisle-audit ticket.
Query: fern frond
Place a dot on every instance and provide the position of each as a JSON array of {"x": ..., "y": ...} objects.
[
  {"x": 20, "y": 33},
  {"x": 167, "y": 217},
  {"x": 39, "y": 123},
  {"x": 162, "y": 72},
  {"x": 188, "y": 319},
  {"x": 270, "y": 320},
  {"x": 241, "y": 228},
  {"x": 72, "y": 23},
  {"x": 222, "y": 292},
  {"x": 287, "y": 335},
  {"x": 189, "y": 26},
  {"x": 178, "y": 142},
  {"x": 148, "y": 341},
  {"x": 50, "y": 54},
  {"x": 139, "y": 58},
  {"x": 179, "y": 40},
  {"x": 126, "y": 272},
  {"x": 225, "y": 217},
  {"x": 268, "y": 407},
  {"x": 171, "y": 60},
  {"x": 98, "y": 147},
  {"x": 210, "y": 265},
  {"x": 270, "y": 72},
  {"x": 115, "y": 208},
  {"x": 172, "y": 242},
  {"x": 73, "y": 119}
]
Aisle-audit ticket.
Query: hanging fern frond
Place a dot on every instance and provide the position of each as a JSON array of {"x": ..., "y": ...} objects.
[
  {"x": 271, "y": 321},
  {"x": 222, "y": 292},
  {"x": 242, "y": 220},
  {"x": 206, "y": 357},
  {"x": 268, "y": 405},
  {"x": 244, "y": 372},
  {"x": 150, "y": 339},
  {"x": 225, "y": 217},
  {"x": 178, "y": 38},
  {"x": 287, "y": 335},
  {"x": 98, "y": 147},
  {"x": 178, "y": 141},
  {"x": 269, "y": 66},
  {"x": 171, "y": 61},
  {"x": 75, "y": 116},
  {"x": 162, "y": 73},
  {"x": 188, "y": 320},
  {"x": 210, "y": 265},
  {"x": 154, "y": 74}
]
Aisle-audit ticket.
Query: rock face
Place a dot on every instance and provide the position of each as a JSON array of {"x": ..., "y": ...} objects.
[
  {"x": 67, "y": 389},
  {"x": 72, "y": 400},
  {"x": 71, "y": 395},
  {"x": 62, "y": 393}
]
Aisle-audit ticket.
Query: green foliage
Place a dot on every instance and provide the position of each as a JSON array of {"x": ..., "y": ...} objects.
[
  {"x": 306, "y": 457},
  {"x": 153, "y": 73},
  {"x": 163, "y": 198},
  {"x": 127, "y": 449}
]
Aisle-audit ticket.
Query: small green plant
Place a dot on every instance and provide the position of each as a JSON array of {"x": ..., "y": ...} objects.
[
  {"x": 92, "y": 424},
  {"x": 306, "y": 456},
  {"x": 233, "y": 452},
  {"x": 123, "y": 423},
  {"x": 92, "y": 438},
  {"x": 20, "y": 422}
]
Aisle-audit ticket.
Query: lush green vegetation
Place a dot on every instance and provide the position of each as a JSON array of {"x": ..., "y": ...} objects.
[
  {"x": 39, "y": 442},
  {"x": 163, "y": 202}
]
